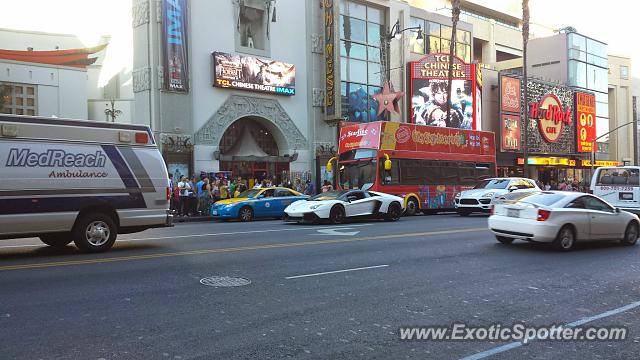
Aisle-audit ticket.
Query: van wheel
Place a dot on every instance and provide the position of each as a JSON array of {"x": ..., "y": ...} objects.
[
  {"x": 58, "y": 240},
  {"x": 94, "y": 233},
  {"x": 412, "y": 207},
  {"x": 630, "y": 235}
]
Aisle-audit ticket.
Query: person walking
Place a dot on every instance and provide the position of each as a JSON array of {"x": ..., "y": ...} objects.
[
  {"x": 185, "y": 189},
  {"x": 204, "y": 200},
  {"x": 309, "y": 190}
]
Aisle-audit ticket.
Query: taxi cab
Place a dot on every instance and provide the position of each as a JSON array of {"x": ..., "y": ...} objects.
[{"x": 256, "y": 203}]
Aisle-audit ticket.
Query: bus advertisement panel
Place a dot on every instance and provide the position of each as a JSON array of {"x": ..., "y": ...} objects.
[{"x": 429, "y": 165}]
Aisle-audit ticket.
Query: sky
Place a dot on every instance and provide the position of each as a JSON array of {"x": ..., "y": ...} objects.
[{"x": 612, "y": 22}]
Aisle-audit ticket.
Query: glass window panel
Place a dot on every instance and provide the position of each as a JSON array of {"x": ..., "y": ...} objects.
[
  {"x": 18, "y": 89},
  {"x": 355, "y": 70},
  {"x": 373, "y": 104},
  {"x": 445, "y": 32},
  {"x": 343, "y": 68},
  {"x": 18, "y": 101},
  {"x": 357, "y": 10},
  {"x": 596, "y": 48},
  {"x": 602, "y": 109},
  {"x": 375, "y": 74},
  {"x": 374, "y": 54},
  {"x": 434, "y": 44},
  {"x": 602, "y": 127},
  {"x": 578, "y": 42},
  {"x": 463, "y": 36},
  {"x": 357, "y": 100},
  {"x": 602, "y": 97},
  {"x": 19, "y": 111},
  {"x": 413, "y": 43},
  {"x": 31, "y": 112},
  {"x": 597, "y": 60},
  {"x": 373, "y": 33},
  {"x": 434, "y": 29},
  {"x": 597, "y": 78},
  {"x": 577, "y": 73},
  {"x": 30, "y": 102},
  {"x": 353, "y": 29},
  {"x": 461, "y": 51},
  {"x": 445, "y": 46},
  {"x": 353, "y": 50},
  {"x": 577, "y": 55},
  {"x": 467, "y": 57},
  {"x": 624, "y": 72},
  {"x": 374, "y": 15},
  {"x": 30, "y": 90},
  {"x": 343, "y": 8}
]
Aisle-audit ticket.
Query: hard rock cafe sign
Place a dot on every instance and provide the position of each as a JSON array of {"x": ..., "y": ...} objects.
[{"x": 551, "y": 116}]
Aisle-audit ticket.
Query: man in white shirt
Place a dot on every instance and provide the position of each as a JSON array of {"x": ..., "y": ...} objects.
[{"x": 185, "y": 189}]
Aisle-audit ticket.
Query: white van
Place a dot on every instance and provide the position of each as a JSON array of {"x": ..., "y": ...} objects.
[
  {"x": 82, "y": 181},
  {"x": 619, "y": 186}
]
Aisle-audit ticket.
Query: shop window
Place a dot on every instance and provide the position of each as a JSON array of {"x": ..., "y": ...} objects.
[
  {"x": 19, "y": 99},
  {"x": 252, "y": 24},
  {"x": 624, "y": 72}
]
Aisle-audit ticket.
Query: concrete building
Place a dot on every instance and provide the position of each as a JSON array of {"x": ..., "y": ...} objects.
[
  {"x": 622, "y": 143},
  {"x": 34, "y": 84}
]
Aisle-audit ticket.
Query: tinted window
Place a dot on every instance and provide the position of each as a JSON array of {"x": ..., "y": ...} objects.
[
  {"x": 433, "y": 172},
  {"x": 283, "y": 193},
  {"x": 546, "y": 199},
  {"x": 576, "y": 204},
  {"x": 492, "y": 184},
  {"x": 592, "y": 203},
  {"x": 329, "y": 195}
]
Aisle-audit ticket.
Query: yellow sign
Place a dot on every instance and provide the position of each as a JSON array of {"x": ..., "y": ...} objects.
[
  {"x": 549, "y": 161},
  {"x": 601, "y": 163}
]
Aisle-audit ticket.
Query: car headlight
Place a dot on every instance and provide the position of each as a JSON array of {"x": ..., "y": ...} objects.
[
  {"x": 313, "y": 207},
  {"x": 458, "y": 195},
  {"x": 488, "y": 195}
]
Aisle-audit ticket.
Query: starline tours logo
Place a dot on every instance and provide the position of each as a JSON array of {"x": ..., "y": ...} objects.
[{"x": 551, "y": 116}]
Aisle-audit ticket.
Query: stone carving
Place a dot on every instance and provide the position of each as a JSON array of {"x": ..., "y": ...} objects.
[
  {"x": 140, "y": 13},
  {"x": 238, "y": 106},
  {"x": 141, "y": 79},
  {"x": 317, "y": 44},
  {"x": 318, "y": 97}
]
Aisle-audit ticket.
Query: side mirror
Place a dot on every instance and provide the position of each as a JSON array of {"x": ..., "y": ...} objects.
[
  {"x": 617, "y": 210},
  {"x": 512, "y": 188}
]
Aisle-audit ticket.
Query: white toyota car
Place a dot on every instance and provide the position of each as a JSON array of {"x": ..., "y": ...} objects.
[
  {"x": 562, "y": 218},
  {"x": 482, "y": 197},
  {"x": 337, "y": 206}
]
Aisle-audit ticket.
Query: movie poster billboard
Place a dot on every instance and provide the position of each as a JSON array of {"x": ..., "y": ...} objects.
[
  {"x": 175, "y": 62},
  {"x": 253, "y": 74},
  {"x": 510, "y": 94},
  {"x": 429, "y": 93},
  {"x": 585, "y": 121},
  {"x": 510, "y": 132}
]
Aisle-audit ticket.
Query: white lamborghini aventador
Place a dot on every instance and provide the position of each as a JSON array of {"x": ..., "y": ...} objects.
[{"x": 337, "y": 206}]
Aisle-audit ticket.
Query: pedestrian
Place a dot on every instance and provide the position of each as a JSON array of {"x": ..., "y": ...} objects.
[
  {"x": 185, "y": 189},
  {"x": 547, "y": 186},
  {"x": 172, "y": 199},
  {"x": 204, "y": 200},
  {"x": 309, "y": 190},
  {"x": 232, "y": 188},
  {"x": 224, "y": 190},
  {"x": 327, "y": 186},
  {"x": 298, "y": 186}
]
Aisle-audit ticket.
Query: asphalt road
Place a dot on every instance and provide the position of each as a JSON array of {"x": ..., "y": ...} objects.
[{"x": 315, "y": 292}]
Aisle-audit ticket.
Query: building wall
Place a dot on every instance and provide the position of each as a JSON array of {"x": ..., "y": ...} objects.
[
  {"x": 547, "y": 58},
  {"x": 621, "y": 142}
]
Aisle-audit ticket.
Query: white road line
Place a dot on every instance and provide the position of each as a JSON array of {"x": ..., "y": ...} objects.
[
  {"x": 301, "y": 228},
  {"x": 513, "y": 345},
  {"x": 335, "y": 272}
]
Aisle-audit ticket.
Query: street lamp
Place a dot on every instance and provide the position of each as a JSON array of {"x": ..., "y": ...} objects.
[{"x": 397, "y": 33}]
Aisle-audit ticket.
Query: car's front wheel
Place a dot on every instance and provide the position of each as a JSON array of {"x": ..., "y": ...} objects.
[
  {"x": 393, "y": 212},
  {"x": 630, "y": 234},
  {"x": 565, "y": 240},
  {"x": 337, "y": 216},
  {"x": 245, "y": 214}
]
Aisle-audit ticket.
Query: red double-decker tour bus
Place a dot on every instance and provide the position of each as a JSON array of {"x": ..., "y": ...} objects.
[{"x": 425, "y": 165}]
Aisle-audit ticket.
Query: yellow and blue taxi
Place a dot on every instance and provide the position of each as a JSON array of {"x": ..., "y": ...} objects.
[{"x": 256, "y": 203}]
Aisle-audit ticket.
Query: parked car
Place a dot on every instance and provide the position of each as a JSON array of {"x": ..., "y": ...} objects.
[
  {"x": 338, "y": 206},
  {"x": 482, "y": 197},
  {"x": 562, "y": 218},
  {"x": 256, "y": 203}
]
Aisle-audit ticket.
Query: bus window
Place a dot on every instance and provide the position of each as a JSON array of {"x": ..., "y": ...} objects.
[{"x": 391, "y": 177}]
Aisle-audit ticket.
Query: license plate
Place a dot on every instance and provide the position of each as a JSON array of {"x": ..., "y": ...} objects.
[
  {"x": 214, "y": 212},
  {"x": 513, "y": 213}
]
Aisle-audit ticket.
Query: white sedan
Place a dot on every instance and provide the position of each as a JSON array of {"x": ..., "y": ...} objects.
[
  {"x": 561, "y": 218},
  {"x": 337, "y": 206}
]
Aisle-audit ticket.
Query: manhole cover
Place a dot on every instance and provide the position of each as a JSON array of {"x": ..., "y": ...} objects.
[{"x": 224, "y": 281}]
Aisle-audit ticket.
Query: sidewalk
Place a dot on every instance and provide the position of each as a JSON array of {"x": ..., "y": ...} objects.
[{"x": 193, "y": 218}]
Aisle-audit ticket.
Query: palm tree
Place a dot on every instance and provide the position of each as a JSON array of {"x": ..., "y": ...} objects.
[
  {"x": 455, "y": 16},
  {"x": 525, "y": 40}
]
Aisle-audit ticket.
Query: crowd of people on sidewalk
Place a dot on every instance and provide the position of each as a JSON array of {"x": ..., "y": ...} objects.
[
  {"x": 195, "y": 195},
  {"x": 564, "y": 185}
]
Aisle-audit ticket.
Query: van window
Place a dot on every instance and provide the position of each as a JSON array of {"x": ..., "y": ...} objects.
[{"x": 618, "y": 176}]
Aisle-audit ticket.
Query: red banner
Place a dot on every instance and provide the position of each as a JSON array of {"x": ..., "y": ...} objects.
[
  {"x": 510, "y": 94},
  {"x": 365, "y": 135},
  {"x": 586, "y": 121}
]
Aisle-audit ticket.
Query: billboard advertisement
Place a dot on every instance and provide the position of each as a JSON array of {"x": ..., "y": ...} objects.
[
  {"x": 510, "y": 132},
  {"x": 329, "y": 58},
  {"x": 510, "y": 96},
  {"x": 430, "y": 93},
  {"x": 253, "y": 74},
  {"x": 175, "y": 63},
  {"x": 585, "y": 121},
  {"x": 360, "y": 136}
]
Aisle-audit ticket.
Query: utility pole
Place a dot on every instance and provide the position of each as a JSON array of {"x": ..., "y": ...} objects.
[{"x": 525, "y": 40}]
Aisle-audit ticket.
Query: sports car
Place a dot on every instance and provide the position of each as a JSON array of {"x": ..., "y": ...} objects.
[
  {"x": 256, "y": 203},
  {"x": 337, "y": 206}
]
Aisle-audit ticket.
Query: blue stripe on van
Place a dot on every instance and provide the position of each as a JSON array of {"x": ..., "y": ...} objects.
[
  {"x": 62, "y": 204},
  {"x": 121, "y": 166}
]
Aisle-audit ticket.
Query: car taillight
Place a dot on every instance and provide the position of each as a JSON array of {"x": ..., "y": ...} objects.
[
  {"x": 543, "y": 215},
  {"x": 168, "y": 193}
]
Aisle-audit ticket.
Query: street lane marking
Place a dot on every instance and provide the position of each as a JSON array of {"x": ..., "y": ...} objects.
[
  {"x": 236, "y": 249},
  {"x": 336, "y": 232},
  {"x": 336, "y": 271},
  {"x": 582, "y": 321},
  {"x": 201, "y": 235}
]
